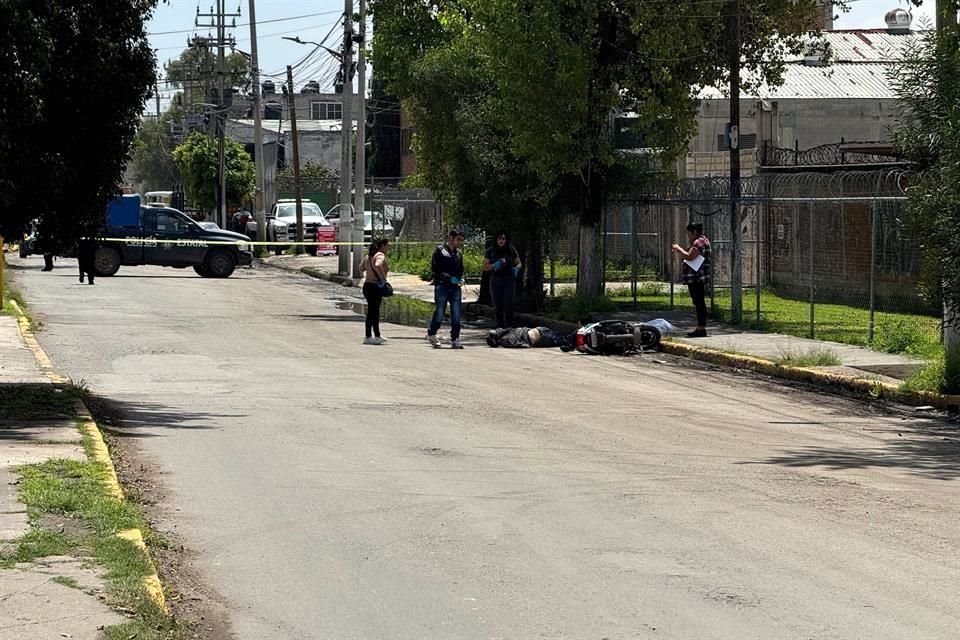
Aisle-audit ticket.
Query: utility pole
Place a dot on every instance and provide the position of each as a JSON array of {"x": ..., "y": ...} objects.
[
  {"x": 361, "y": 169},
  {"x": 947, "y": 18},
  {"x": 346, "y": 216},
  {"x": 733, "y": 137},
  {"x": 259, "y": 205},
  {"x": 219, "y": 22},
  {"x": 297, "y": 190},
  {"x": 157, "y": 92}
]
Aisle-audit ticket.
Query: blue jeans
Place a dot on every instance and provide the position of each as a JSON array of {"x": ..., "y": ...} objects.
[{"x": 442, "y": 294}]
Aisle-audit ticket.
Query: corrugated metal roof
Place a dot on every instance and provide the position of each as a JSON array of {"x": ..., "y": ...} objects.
[
  {"x": 861, "y": 61},
  {"x": 865, "y": 45},
  {"x": 838, "y": 81}
]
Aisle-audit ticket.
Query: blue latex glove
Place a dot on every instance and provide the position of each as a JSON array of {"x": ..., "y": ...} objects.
[
  {"x": 454, "y": 280},
  {"x": 516, "y": 271},
  {"x": 497, "y": 265}
]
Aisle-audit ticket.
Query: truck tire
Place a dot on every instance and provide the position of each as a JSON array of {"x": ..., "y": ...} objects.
[
  {"x": 312, "y": 250},
  {"x": 278, "y": 251},
  {"x": 201, "y": 270},
  {"x": 106, "y": 261},
  {"x": 220, "y": 264}
]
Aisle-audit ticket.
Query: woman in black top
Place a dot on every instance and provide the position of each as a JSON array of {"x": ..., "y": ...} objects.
[{"x": 503, "y": 261}]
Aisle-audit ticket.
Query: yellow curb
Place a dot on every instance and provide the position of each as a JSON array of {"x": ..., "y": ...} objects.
[
  {"x": 46, "y": 366},
  {"x": 151, "y": 582},
  {"x": 99, "y": 450},
  {"x": 874, "y": 388},
  {"x": 87, "y": 426}
]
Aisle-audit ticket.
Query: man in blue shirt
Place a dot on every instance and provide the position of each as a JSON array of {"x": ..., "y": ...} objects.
[{"x": 447, "y": 264}]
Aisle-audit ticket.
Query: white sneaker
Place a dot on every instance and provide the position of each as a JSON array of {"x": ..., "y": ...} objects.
[
  {"x": 370, "y": 341},
  {"x": 434, "y": 340},
  {"x": 456, "y": 345},
  {"x": 379, "y": 340}
]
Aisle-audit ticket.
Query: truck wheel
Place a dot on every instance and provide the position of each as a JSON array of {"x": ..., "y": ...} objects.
[
  {"x": 201, "y": 270},
  {"x": 106, "y": 261},
  {"x": 312, "y": 250},
  {"x": 220, "y": 264},
  {"x": 277, "y": 251}
]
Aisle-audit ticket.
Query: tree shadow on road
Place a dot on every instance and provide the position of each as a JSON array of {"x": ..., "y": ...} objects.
[
  {"x": 928, "y": 448},
  {"x": 145, "y": 419}
]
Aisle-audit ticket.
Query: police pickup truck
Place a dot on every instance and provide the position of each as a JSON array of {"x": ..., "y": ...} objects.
[{"x": 157, "y": 235}]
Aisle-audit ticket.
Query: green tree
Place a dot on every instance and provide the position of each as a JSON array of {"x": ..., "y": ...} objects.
[
  {"x": 197, "y": 162},
  {"x": 928, "y": 132},
  {"x": 195, "y": 73},
  {"x": 152, "y": 156},
  {"x": 555, "y": 71},
  {"x": 76, "y": 75}
]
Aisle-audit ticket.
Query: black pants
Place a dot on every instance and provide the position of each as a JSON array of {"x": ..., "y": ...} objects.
[
  {"x": 504, "y": 292},
  {"x": 374, "y": 300},
  {"x": 698, "y": 292}
]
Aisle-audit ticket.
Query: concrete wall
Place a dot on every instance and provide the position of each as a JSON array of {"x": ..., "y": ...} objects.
[
  {"x": 807, "y": 122},
  {"x": 321, "y": 147}
]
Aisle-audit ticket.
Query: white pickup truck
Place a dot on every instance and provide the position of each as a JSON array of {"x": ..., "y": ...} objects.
[{"x": 282, "y": 224}]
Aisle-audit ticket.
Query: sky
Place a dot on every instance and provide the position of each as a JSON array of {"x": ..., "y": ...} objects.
[{"x": 315, "y": 19}]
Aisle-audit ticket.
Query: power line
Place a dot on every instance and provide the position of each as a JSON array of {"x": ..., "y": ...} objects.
[{"x": 287, "y": 19}]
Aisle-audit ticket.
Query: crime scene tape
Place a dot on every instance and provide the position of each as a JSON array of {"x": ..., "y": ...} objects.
[{"x": 150, "y": 242}]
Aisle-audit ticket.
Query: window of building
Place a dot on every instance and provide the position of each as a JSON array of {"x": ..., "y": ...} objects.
[{"x": 326, "y": 111}]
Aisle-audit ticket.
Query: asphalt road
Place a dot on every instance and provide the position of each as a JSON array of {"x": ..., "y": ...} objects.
[{"x": 335, "y": 490}]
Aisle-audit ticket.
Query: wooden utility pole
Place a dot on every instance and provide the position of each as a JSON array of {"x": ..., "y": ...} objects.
[
  {"x": 220, "y": 19},
  {"x": 733, "y": 137},
  {"x": 345, "y": 232},
  {"x": 259, "y": 206},
  {"x": 297, "y": 190},
  {"x": 361, "y": 168}
]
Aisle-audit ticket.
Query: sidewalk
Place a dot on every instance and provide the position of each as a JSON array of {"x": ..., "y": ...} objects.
[
  {"x": 855, "y": 362},
  {"x": 53, "y": 596}
]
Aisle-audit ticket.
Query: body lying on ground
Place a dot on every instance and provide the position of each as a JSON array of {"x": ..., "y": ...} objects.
[{"x": 526, "y": 338}]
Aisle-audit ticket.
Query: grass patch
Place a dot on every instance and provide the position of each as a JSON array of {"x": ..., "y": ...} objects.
[
  {"x": 814, "y": 357},
  {"x": 932, "y": 378},
  {"x": 76, "y": 489},
  {"x": 66, "y": 581},
  {"x": 40, "y": 543},
  {"x": 569, "y": 307},
  {"x": 908, "y": 333},
  {"x": 38, "y": 401},
  {"x": 9, "y": 293}
]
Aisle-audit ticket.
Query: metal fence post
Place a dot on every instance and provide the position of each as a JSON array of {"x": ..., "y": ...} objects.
[
  {"x": 757, "y": 248},
  {"x": 673, "y": 261},
  {"x": 873, "y": 270},
  {"x": 813, "y": 332},
  {"x": 634, "y": 215}
]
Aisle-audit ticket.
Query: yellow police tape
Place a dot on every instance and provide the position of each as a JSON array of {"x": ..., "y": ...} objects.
[{"x": 150, "y": 242}]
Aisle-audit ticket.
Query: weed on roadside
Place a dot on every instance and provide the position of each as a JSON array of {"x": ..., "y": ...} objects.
[
  {"x": 76, "y": 490},
  {"x": 813, "y": 357},
  {"x": 932, "y": 378}
]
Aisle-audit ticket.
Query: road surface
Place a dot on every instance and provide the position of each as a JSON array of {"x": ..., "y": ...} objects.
[{"x": 334, "y": 490}]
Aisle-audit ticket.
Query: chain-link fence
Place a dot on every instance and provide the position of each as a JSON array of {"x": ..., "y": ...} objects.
[{"x": 823, "y": 255}]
